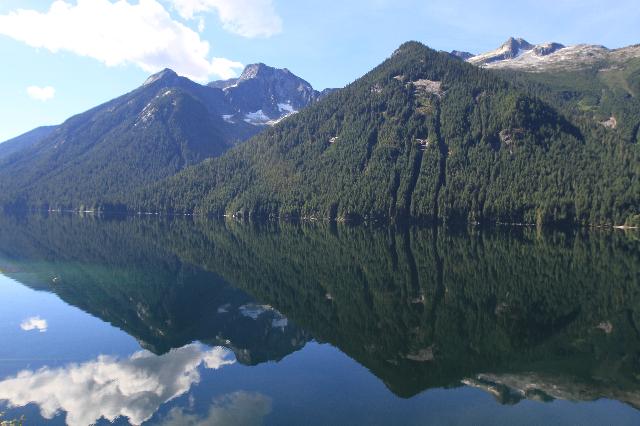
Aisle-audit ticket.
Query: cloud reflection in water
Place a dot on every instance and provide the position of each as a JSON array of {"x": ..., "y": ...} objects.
[
  {"x": 34, "y": 323},
  {"x": 109, "y": 387}
]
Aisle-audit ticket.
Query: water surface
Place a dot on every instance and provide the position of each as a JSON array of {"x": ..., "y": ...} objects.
[{"x": 157, "y": 321}]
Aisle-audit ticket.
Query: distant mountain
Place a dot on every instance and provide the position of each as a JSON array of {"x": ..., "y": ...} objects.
[
  {"x": 168, "y": 123},
  {"x": 150, "y": 133},
  {"x": 265, "y": 95},
  {"x": 422, "y": 137},
  {"x": 25, "y": 140},
  {"x": 593, "y": 85},
  {"x": 510, "y": 49},
  {"x": 425, "y": 136},
  {"x": 517, "y": 53},
  {"x": 462, "y": 55}
]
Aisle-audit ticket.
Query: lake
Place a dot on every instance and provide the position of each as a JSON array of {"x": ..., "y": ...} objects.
[{"x": 149, "y": 320}]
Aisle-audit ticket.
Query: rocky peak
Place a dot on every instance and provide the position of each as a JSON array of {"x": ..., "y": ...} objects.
[
  {"x": 261, "y": 95},
  {"x": 517, "y": 53},
  {"x": 462, "y": 55},
  {"x": 513, "y": 46},
  {"x": 253, "y": 70},
  {"x": 510, "y": 49},
  {"x": 545, "y": 49},
  {"x": 273, "y": 76},
  {"x": 166, "y": 74},
  {"x": 264, "y": 94},
  {"x": 261, "y": 70},
  {"x": 515, "y": 50}
]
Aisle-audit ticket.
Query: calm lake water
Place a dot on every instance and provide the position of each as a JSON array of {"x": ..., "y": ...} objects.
[{"x": 171, "y": 322}]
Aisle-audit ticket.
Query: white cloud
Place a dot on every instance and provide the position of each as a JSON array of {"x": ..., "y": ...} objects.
[
  {"x": 109, "y": 388},
  {"x": 41, "y": 93},
  {"x": 225, "y": 68},
  {"x": 118, "y": 33},
  {"x": 238, "y": 409},
  {"x": 248, "y": 18},
  {"x": 34, "y": 323}
]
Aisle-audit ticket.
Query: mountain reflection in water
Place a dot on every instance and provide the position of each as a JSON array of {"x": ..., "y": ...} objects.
[{"x": 519, "y": 313}]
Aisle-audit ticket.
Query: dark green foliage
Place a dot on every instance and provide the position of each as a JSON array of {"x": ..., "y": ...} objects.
[
  {"x": 505, "y": 301},
  {"x": 25, "y": 140},
  {"x": 122, "y": 272},
  {"x": 466, "y": 145},
  {"x": 105, "y": 153},
  {"x": 419, "y": 308},
  {"x": 422, "y": 137}
]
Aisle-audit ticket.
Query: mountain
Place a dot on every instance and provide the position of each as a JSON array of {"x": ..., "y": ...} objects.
[
  {"x": 512, "y": 388},
  {"x": 25, "y": 140},
  {"x": 462, "y": 55},
  {"x": 424, "y": 136},
  {"x": 119, "y": 272},
  {"x": 425, "y": 307},
  {"x": 510, "y": 49},
  {"x": 513, "y": 310},
  {"x": 265, "y": 95},
  {"x": 521, "y": 55},
  {"x": 149, "y": 134},
  {"x": 598, "y": 88}
]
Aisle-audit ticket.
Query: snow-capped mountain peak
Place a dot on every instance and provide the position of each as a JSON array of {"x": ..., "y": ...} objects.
[
  {"x": 510, "y": 49},
  {"x": 517, "y": 53},
  {"x": 264, "y": 95}
]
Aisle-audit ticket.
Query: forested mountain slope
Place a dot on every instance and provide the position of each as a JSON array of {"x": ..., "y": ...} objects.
[
  {"x": 423, "y": 136},
  {"x": 123, "y": 274},
  {"x": 146, "y": 135},
  {"x": 24, "y": 141},
  {"x": 168, "y": 123}
]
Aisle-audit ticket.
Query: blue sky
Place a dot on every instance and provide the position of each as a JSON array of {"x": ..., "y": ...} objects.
[{"x": 65, "y": 56}]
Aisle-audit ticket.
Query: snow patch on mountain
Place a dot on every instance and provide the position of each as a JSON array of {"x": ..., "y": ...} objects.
[
  {"x": 257, "y": 118},
  {"x": 147, "y": 114},
  {"x": 264, "y": 95},
  {"x": 286, "y": 107}
]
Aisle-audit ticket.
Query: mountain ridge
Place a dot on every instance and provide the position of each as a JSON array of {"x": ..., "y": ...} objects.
[
  {"x": 424, "y": 137},
  {"x": 168, "y": 76},
  {"x": 150, "y": 133},
  {"x": 25, "y": 140},
  {"x": 265, "y": 95},
  {"x": 519, "y": 54}
]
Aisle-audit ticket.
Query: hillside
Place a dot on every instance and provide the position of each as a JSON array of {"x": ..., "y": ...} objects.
[
  {"x": 424, "y": 136},
  {"x": 151, "y": 133},
  {"x": 590, "y": 83},
  {"x": 24, "y": 141},
  {"x": 604, "y": 98},
  {"x": 418, "y": 307},
  {"x": 146, "y": 135}
]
